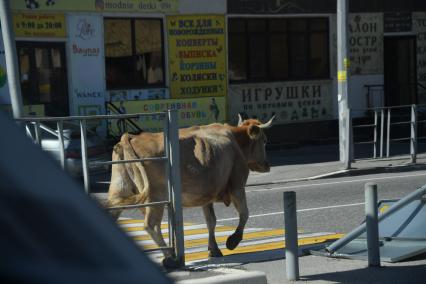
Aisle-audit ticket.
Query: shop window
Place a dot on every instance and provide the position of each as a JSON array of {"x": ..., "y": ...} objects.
[
  {"x": 278, "y": 49},
  {"x": 43, "y": 76},
  {"x": 133, "y": 53}
]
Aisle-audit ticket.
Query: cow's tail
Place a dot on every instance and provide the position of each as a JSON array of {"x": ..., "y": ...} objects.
[{"x": 136, "y": 170}]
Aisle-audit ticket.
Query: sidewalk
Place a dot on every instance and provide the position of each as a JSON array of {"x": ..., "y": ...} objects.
[
  {"x": 269, "y": 267},
  {"x": 290, "y": 166}
]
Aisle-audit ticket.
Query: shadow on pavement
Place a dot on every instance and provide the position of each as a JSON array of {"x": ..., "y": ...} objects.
[
  {"x": 243, "y": 258},
  {"x": 387, "y": 274}
]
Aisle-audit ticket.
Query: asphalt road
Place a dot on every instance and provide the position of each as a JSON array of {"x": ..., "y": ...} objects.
[{"x": 328, "y": 205}]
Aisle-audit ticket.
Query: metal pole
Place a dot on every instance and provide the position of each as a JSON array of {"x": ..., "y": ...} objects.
[
  {"x": 37, "y": 133},
  {"x": 60, "y": 126},
  {"x": 413, "y": 136},
  {"x": 170, "y": 215},
  {"x": 371, "y": 219},
  {"x": 11, "y": 58},
  {"x": 388, "y": 134},
  {"x": 382, "y": 125},
  {"x": 291, "y": 247},
  {"x": 342, "y": 79},
  {"x": 361, "y": 229},
  {"x": 375, "y": 134},
  {"x": 85, "y": 166},
  {"x": 176, "y": 178},
  {"x": 351, "y": 139}
]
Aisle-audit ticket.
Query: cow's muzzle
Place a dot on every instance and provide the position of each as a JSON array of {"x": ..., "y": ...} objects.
[{"x": 259, "y": 167}]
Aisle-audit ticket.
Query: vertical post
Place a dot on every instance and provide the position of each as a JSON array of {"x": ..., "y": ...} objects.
[
  {"x": 37, "y": 132},
  {"x": 85, "y": 166},
  {"x": 11, "y": 58},
  {"x": 176, "y": 185},
  {"x": 388, "y": 133},
  {"x": 60, "y": 126},
  {"x": 342, "y": 77},
  {"x": 382, "y": 125},
  {"x": 291, "y": 247},
  {"x": 413, "y": 138},
  {"x": 375, "y": 134},
  {"x": 351, "y": 140},
  {"x": 372, "y": 223},
  {"x": 169, "y": 181}
]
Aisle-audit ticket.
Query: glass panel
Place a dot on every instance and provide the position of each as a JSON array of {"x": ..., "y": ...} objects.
[
  {"x": 237, "y": 57},
  {"x": 148, "y": 36},
  {"x": 236, "y": 25},
  {"x": 118, "y": 38},
  {"x": 24, "y": 64},
  {"x": 256, "y": 25},
  {"x": 44, "y": 73},
  {"x": 257, "y": 56},
  {"x": 119, "y": 59},
  {"x": 278, "y": 59},
  {"x": 298, "y": 56},
  {"x": 277, "y": 25},
  {"x": 120, "y": 72},
  {"x": 43, "y": 76},
  {"x": 28, "y": 96},
  {"x": 155, "y": 70},
  {"x": 298, "y": 24},
  {"x": 319, "y": 55},
  {"x": 319, "y": 24},
  {"x": 56, "y": 57},
  {"x": 149, "y": 50}
]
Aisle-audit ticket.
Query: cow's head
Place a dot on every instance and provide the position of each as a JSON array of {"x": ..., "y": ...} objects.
[{"x": 255, "y": 148}]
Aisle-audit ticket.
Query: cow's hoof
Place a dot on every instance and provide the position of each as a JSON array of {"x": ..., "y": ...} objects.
[
  {"x": 233, "y": 241},
  {"x": 215, "y": 253},
  {"x": 170, "y": 263}
]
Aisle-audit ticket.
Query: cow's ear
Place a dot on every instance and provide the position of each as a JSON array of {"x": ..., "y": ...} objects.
[{"x": 253, "y": 131}]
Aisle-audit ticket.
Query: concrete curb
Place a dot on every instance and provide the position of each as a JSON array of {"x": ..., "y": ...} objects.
[
  {"x": 231, "y": 276},
  {"x": 330, "y": 174}
]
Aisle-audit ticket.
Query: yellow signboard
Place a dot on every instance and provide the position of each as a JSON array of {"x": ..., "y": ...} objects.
[
  {"x": 33, "y": 110},
  {"x": 39, "y": 25},
  {"x": 197, "y": 53},
  {"x": 196, "y": 111},
  {"x": 136, "y": 6}
]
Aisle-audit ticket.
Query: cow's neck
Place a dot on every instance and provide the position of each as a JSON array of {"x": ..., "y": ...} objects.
[{"x": 241, "y": 136}]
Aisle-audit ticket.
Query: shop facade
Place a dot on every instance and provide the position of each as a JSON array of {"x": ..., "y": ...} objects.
[{"x": 214, "y": 59}]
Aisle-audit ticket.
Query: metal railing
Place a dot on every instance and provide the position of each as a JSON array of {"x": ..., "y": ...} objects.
[
  {"x": 171, "y": 159},
  {"x": 379, "y": 127}
]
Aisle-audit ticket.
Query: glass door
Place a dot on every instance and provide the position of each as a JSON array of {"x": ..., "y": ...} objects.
[
  {"x": 43, "y": 75},
  {"x": 400, "y": 70}
]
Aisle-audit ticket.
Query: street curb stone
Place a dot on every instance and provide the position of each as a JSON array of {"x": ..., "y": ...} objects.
[{"x": 231, "y": 276}]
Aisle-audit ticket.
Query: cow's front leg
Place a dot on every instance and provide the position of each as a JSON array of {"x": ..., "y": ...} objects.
[
  {"x": 153, "y": 218},
  {"x": 238, "y": 198},
  {"x": 210, "y": 216}
]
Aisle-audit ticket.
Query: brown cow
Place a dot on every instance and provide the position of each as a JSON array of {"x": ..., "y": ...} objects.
[{"x": 215, "y": 161}]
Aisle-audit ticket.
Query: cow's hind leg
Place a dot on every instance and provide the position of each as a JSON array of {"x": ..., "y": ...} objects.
[
  {"x": 238, "y": 198},
  {"x": 153, "y": 217},
  {"x": 120, "y": 201},
  {"x": 210, "y": 216}
]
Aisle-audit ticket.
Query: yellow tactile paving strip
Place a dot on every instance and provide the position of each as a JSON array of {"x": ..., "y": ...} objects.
[{"x": 196, "y": 240}]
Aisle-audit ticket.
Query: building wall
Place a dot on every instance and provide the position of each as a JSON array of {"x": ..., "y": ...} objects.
[{"x": 292, "y": 101}]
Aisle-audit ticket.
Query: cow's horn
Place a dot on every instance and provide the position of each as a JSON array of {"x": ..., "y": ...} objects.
[
  {"x": 240, "y": 120},
  {"x": 267, "y": 124}
]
